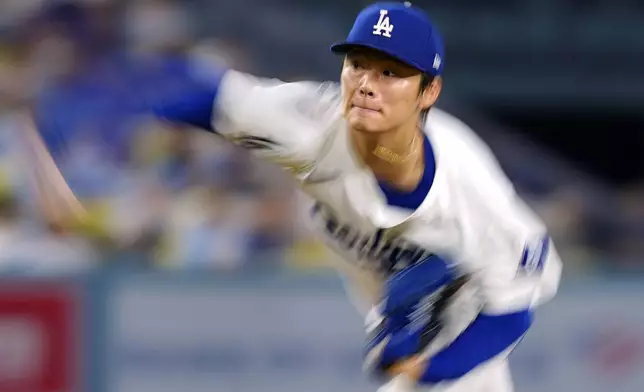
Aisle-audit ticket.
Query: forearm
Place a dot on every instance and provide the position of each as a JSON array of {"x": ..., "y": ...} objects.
[{"x": 54, "y": 197}]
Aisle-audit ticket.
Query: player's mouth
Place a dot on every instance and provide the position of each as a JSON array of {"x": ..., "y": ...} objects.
[{"x": 364, "y": 110}]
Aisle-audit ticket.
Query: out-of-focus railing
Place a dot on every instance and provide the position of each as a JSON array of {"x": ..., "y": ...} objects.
[{"x": 278, "y": 331}]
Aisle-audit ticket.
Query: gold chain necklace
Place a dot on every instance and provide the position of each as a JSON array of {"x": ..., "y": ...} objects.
[{"x": 394, "y": 158}]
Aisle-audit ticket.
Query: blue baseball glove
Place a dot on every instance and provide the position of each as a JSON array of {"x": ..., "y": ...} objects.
[{"x": 409, "y": 317}]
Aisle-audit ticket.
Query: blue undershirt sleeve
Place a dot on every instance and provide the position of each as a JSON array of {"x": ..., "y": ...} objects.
[
  {"x": 192, "y": 105},
  {"x": 487, "y": 337}
]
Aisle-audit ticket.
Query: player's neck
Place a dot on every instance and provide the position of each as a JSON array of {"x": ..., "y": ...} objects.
[{"x": 395, "y": 157}]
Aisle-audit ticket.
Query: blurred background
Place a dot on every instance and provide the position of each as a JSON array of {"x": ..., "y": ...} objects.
[{"x": 197, "y": 271}]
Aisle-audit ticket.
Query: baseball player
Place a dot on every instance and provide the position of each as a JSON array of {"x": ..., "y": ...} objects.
[{"x": 447, "y": 263}]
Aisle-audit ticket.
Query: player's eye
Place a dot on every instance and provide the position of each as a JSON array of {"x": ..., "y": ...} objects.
[
  {"x": 389, "y": 73},
  {"x": 355, "y": 64}
]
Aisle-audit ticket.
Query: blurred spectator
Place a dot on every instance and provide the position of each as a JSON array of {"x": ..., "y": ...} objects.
[
  {"x": 27, "y": 248},
  {"x": 209, "y": 229},
  {"x": 273, "y": 225},
  {"x": 157, "y": 26}
]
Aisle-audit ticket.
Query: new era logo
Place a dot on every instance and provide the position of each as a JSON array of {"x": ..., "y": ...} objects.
[
  {"x": 437, "y": 62},
  {"x": 383, "y": 27}
]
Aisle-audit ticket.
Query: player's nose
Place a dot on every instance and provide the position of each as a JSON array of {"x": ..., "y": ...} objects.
[{"x": 366, "y": 85}]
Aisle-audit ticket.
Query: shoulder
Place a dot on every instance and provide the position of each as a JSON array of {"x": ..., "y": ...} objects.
[
  {"x": 466, "y": 159},
  {"x": 454, "y": 136},
  {"x": 474, "y": 189},
  {"x": 478, "y": 188}
]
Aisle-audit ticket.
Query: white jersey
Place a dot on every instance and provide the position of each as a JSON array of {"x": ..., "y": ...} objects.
[{"x": 471, "y": 215}]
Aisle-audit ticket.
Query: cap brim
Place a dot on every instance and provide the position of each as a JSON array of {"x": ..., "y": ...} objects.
[
  {"x": 342, "y": 47},
  {"x": 346, "y": 47}
]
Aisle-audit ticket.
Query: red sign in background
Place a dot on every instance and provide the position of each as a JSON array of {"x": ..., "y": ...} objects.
[{"x": 40, "y": 338}]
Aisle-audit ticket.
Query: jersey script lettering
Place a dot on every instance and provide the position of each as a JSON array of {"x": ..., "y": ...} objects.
[{"x": 375, "y": 250}]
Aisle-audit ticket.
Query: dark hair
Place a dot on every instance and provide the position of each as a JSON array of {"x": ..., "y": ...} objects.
[{"x": 425, "y": 81}]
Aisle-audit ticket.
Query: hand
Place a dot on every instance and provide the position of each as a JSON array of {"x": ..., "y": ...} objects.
[{"x": 412, "y": 368}]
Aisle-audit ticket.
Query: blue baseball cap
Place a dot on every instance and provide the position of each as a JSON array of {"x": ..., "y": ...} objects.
[{"x": 399, "y": 30}]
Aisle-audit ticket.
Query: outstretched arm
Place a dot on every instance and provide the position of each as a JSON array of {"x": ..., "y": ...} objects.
[
  {"x": 276, "y": 121},
  {"x": 190, "y": 103},
  {"x": 54, "y": 197}
]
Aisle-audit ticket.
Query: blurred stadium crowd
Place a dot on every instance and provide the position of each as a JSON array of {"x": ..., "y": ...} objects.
[{"x": 179, "y": 198}]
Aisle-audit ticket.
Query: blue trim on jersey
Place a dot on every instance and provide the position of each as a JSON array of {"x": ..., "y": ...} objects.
[
  {"x": 412, "y": 200},
  {"x": 485, "y": 338},
  {"x": 192, "y": 106},
  {"x": 534, "y": 256}
]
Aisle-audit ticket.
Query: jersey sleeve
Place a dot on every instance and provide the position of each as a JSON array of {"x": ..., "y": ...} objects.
[
  {"x": 505, "y": 246},
  {"x": 284, "y": 123}
]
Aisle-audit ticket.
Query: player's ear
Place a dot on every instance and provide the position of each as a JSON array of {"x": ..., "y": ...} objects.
[{"x": 430, "y": 94}]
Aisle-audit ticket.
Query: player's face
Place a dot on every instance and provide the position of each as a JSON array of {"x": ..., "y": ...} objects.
[{"x": 380, "y": 93}]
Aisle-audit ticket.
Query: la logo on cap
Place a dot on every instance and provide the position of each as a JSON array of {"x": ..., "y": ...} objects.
[{"x": 383, "y": 27}]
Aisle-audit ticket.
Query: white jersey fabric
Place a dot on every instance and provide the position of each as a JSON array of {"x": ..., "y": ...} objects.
[{"x": 471, "y": 215}]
